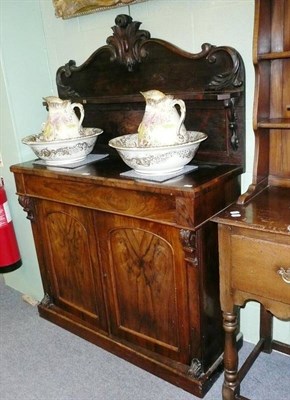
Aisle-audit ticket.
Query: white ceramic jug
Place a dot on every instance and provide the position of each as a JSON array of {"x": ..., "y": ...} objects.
[
  {"x": 161, "y": 124},
  {"x": 62, "y": 122}
]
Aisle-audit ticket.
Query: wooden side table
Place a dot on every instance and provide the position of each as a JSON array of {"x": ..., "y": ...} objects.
[{"x": 254, "y": 251}]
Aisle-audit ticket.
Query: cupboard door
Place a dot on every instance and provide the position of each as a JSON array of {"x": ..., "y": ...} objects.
[
  {"x": 146, "y": 284},
  {"x": 71, "y": 257}
]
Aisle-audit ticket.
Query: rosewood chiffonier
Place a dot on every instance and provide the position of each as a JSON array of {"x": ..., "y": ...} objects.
[{"x": 132, "y": 264}]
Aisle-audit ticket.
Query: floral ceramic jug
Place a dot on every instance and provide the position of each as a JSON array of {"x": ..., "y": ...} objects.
[
  {"x": 161, "y": 124},
  {"x": 62, "y": 122}
]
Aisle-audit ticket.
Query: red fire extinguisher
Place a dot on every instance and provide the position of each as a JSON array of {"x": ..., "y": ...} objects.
[{"x": 10, "y": 258}]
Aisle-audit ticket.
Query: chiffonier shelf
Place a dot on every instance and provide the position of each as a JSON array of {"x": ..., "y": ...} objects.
[
  {"x": 254, "y": 233},
  {"x": 132, "y": 264}
]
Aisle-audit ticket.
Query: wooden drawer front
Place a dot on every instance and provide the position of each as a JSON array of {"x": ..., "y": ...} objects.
[{"x": 255, "y": 263}]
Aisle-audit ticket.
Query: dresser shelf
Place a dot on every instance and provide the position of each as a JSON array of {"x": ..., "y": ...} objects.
[
  {"x": 275, "y": 123},
  {"x": 271, "y": 119},
  {"x": 274, "y": 55}
]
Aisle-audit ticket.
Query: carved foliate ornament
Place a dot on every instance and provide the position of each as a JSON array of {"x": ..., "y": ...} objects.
[
  {"x": 129, "y": 46},
  {"x": 66, "y": 70},
  {"x": 47, "y": 301},
  {"x": 195, "y": 369},
  {"x": 231, "y": 78},
  {"x": 188, "y": 241},
  {"x": 28, "y": 206},
  {"x": 127, "y": 40},
  {"x": 232, "y": 122}
]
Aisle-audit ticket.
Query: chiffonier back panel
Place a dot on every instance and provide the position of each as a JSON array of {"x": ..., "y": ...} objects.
[{"x": 211, "y": 82}]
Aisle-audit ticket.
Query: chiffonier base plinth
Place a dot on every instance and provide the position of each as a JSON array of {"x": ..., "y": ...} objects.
[{"x": 172, "y": 372}]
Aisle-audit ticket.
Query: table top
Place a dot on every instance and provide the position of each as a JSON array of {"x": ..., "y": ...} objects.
[
  {"x": 269, "y": 211},
  {"x": 107, "y": 172}
]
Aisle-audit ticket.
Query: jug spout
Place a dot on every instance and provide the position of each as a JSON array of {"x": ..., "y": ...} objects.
[
  {"x": 53, "y": 99},
  {"x": 155, "y": 96}
]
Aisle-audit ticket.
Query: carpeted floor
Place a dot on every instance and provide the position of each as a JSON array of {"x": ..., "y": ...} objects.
[{"x": 40, "y": 361}]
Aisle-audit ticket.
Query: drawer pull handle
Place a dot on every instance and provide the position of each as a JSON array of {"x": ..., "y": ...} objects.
[{"x": 285, "y": 274}]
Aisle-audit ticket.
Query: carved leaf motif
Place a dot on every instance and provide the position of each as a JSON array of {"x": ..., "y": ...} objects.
[
  {"x": 66, "y": 70},
  {"x": 188, "y": 240},
  {"x": 195, "y": 368},
  {"x": 125, "y": 46},
  {"x": 27, "y": 205},
  {"x": 232, "y": 122},
  {"x": 127, "y": 40},
  {"x": 47, "y": 301},
  {"x": 229, "y": 78}
]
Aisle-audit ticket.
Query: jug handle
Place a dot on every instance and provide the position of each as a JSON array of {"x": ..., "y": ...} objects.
[
  {"x": 181, "y": 104},
  {"x": 81, "y": 108}
]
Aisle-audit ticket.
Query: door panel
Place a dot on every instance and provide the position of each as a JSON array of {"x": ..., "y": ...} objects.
[
  {"x": 146, "y": 284},
  {"x": 72, "y": 261}
]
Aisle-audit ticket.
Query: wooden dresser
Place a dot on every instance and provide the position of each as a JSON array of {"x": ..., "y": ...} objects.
[
  {"x": 130, "y": 264},
  {"x": 254, "y": 234}
]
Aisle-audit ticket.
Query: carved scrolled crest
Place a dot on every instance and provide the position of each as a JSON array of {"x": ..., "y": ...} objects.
[
  {"x": 123, "y": 47},
  {"x": 127, "y": 40},
  {"x": 231, "y": 78}
]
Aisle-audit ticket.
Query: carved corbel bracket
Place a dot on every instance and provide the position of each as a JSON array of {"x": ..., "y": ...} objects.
[
  {"x": 28, "y": 206},
  {"x": 188, "y": 240},
  {"x": 232, "y": 121}
]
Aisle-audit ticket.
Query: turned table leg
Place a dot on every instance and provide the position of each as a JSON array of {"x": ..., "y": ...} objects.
[{"x": 231, "y": 384}]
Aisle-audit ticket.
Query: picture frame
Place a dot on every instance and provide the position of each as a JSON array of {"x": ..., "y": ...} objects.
[{"x": 71, "y": 8}]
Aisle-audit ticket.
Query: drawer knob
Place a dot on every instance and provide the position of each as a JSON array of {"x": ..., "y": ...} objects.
[{"x": 285, "y": 274}]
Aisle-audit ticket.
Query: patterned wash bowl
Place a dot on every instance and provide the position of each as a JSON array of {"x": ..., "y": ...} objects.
[
  {"x": 58, "y": 152},
  {"x": 157, "y": 160}
]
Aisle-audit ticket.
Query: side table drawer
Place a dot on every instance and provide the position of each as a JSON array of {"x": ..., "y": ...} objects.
[{"x": 255, "y": 265}]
